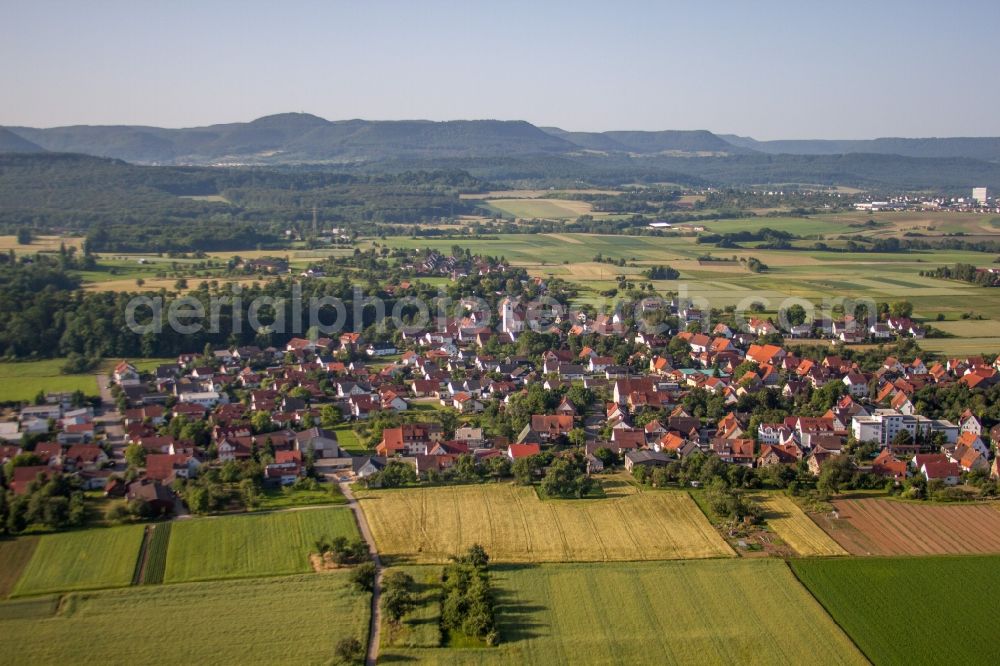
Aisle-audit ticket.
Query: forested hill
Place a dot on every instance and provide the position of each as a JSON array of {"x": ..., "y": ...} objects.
[
  {"x": 122, "y": 206},
  {"x": 981, "y": 148},
  {"x": 297, "y": 138},
  {"x": 301, "y": 138},
  {"x": 12, "y": 143}
]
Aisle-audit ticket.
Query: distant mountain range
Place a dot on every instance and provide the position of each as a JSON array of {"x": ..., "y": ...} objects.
[{"x": 295, "y": 138}]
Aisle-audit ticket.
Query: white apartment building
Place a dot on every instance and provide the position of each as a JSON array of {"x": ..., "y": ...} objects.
[{"x": 885, "y": 424}]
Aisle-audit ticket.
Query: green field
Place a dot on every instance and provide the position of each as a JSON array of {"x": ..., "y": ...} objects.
[
  {"x": 83, "y": 560},
  {"x": 296, "y": 619},
  {"x": 22, "y": 381},
  {"x": 267, "y": 544},
  {"x": 904, "y": 610},
  {"x": 708, "y": 612},
  {"x": 14, "y": 557}
]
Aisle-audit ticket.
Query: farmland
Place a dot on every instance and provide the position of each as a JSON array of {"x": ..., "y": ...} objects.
[
  {"x": 83, "y": 560},
  {"x": 796, "y": 529},
  {"x": 707, "y": 612},
  {"x": 429, "y": 524},
  {"x": 266, "y": 544},
  {"x": 552, "y": 209},
  {"x": 296, "y": 619},
  {"x": 904, "y": 611},
  {"x": 811, "y": 274},
  {"x": 886, "y": 527},
  {"x": 22, "y": 381},
  {"x": 15, "y": 555}
]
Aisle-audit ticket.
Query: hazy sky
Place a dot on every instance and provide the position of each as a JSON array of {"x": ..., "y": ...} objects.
[{"x": 768, "y": 69}]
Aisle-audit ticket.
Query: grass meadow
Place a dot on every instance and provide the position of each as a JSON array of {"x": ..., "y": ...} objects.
[
  {"x": 296, "y": 619},
  {"x": 90, "y": 559},
  {"x": 266, "y": 544},
  {"x": 514, "y": 525},
  {"x": 21, "y": 382},
  {"x": 701, "y": 612},
  {"x": 926, "y": 610}
]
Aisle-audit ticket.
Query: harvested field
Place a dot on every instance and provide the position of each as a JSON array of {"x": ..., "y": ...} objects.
[
  {"x": 430, "y": 524},
  {"x": 556, "y": 209},
  {"x": 796, "y": 529},
  {"x": 887, "y": 527}
]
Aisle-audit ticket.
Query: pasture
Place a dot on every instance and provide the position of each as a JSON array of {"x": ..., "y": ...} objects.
[
  {"x": 795, "y": 528},
  {"x": 296, "y": 619},
  {"x": 514, "y": 525},
  {"x": 84, "y": 560},
  {"x": 706, "y": 612},
  {"x": 21, "y": 381},
  {"x": 903, "y": 610},
  {"x": 266, "y": 544},
  {"x": 888, "y": 527}
]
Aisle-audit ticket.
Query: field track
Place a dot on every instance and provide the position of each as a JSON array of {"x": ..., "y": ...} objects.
[{"x": 886, "y": 527}]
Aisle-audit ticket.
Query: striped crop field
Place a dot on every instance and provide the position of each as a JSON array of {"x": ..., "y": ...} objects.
[
  {"x": 514, "y": 525},
  {"x": 797, "y": 529}
]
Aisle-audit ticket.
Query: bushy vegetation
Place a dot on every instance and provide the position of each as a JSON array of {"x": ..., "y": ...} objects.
[{"x": 468, "y": 605}]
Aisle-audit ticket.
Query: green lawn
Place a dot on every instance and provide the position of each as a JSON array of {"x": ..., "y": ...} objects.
[
  {"x": 283, "y": 498},
  {"x": 14, "y": 557},
  {"x": 707, "y": 612},
  {"x": 22, "y": 381},
  {"x": 83, "y": 560},
  {"x": 912, "y": 610},
  {"x": 252, "y": 545},
  {"x": 348, "y": 440},
  {"x": 296, "y": 619}
]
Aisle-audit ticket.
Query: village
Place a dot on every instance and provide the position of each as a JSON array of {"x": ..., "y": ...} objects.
[{"x": 433, "y": 398}]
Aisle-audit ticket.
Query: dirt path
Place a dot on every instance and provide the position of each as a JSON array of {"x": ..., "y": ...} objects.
[
  {"x": 374, "y": 629},
  {"x": 140, "y": 565}
]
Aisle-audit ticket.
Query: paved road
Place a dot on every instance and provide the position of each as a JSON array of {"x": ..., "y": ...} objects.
[
  {"x": 104, "y": 388},
  {"x": 374, "y": 630}
]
